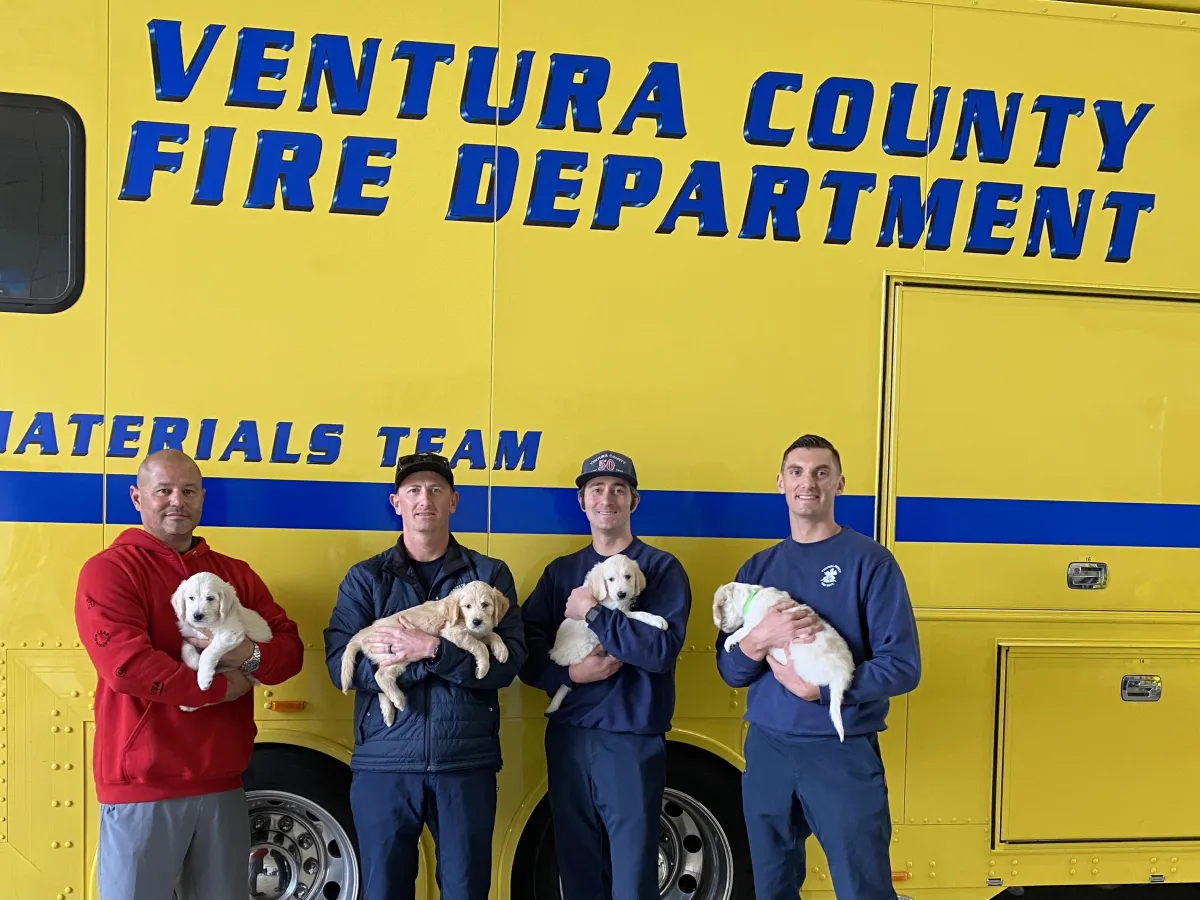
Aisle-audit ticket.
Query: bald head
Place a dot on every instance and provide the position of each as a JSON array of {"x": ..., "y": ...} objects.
[
  {"x": 175, "y": 461},
  {"x": 170, "y": 497}
]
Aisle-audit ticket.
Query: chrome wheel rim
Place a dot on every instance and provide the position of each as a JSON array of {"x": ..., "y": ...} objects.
[
  {"x": 298, "y": 850},
  {"x": 695, "y": 861}
]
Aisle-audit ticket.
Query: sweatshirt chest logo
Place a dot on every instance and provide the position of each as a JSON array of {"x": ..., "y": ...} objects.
[{"x": 829, "y": 575}]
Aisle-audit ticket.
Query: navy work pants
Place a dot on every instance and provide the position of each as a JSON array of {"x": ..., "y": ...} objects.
[
  {"x": 389, "y": 810},
  {"x": 792, "y": 789},
  {"x": 605, "y": 797}
]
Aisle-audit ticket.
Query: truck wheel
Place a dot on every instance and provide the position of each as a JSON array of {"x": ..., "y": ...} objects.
[
  {"x": 302, "y": 840},
  {"x": 702, "y": 848}
]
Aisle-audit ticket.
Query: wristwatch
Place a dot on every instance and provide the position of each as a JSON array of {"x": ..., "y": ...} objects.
[
  {"x": 591, "y": 614},
  {"x": 250, "y": 665}
]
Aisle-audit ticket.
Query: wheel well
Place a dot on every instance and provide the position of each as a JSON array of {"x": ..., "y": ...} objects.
[
  {"x": 293, "y": 756},
  {"x": 680, "y": 757}
]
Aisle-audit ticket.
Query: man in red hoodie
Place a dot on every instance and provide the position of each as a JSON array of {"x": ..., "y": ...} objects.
[{"x": 173, "y": 811}]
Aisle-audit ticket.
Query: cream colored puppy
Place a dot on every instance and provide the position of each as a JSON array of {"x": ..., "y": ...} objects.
[
  {"x": 465, "y": 617},
  {"x": 616, "y": 583},
  {"x": 205, "y": 601},
  {"x": 826, "y": 661}
]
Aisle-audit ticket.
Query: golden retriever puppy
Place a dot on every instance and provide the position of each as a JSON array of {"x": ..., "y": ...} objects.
[
  {"x": 465, "y": 617},
  {"x": 616, "y": 583},
  {"x": 205, "y": 601},
  {"x": 826, "y": 661}
]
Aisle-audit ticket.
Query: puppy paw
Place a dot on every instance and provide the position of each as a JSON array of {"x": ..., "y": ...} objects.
[
  {"x": 501, "y": 651},
  {"x": 204, "y": 679}
]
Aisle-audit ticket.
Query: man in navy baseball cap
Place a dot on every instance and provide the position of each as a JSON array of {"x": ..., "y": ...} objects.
[
  {"x": 621, "y": 700},
  {"x": 607, "y": 462}
]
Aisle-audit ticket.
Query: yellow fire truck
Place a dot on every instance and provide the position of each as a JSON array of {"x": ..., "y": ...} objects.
[{"x": 956, "y": 237}]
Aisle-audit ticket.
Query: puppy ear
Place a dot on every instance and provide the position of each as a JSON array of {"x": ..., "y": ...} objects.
[
  {"x": 454, "y": 614},
  {"x": 177, "y": 600},
  {"x": 595, "y": 582},
  {"x": 720, "y": 596},
  {"x": 639, "y": 579},
  {"x": 225, "y": 598},
  {"x": 501, "y": 602}
]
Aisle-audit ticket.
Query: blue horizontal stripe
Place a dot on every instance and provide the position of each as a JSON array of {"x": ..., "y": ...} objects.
[
  {"x": 707, "y": 514},
  {"x": 364, "y": 506},
  {"x": 62, "y": 497},
  {"x": 1060, "y": 522}
]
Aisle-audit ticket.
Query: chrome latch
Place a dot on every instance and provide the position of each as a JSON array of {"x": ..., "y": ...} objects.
[
  {"x": 1087, "y": 576},
  {"x": 1141, "y": 688}
]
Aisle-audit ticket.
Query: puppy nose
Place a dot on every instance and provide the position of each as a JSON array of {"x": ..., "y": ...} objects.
[
  {"x": 198, "y": 616},
  {"x": 620, "y": 595},
  {"x": 475, "y": 623}
]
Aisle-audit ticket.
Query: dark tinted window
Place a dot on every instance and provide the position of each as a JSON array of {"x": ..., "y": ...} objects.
[{"x": 41, "y": 204}]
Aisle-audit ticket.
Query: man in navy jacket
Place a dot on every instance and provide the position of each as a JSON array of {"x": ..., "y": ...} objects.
[
  {"x": 436, "y": 765},
  {"x": 800, "y": 779},
  {"x": 606, "y": 744}
]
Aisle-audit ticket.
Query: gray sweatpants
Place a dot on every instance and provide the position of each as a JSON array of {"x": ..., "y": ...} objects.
[{"x": 198, "y": 846}]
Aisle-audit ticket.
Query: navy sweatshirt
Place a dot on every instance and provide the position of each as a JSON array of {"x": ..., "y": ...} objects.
[
  {"x": 854, "y": 584},
  {"x": 640, "y": 697}
]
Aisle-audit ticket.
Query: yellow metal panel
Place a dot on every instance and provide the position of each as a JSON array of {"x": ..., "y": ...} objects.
[
  {"x": 1070, "y": 56},
  {"x": 657, "y": 343},
  {"x": 360, "y": 321},
  {"x": 1131, "y": 778}
]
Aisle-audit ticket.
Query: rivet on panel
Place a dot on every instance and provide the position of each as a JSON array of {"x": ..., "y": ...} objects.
[
  {"x": 68, "y": 890},
  {"x": 68, "y": 767},
  {"x": 268, "y": 693},
  {"x": 74, "y": 693},
  {"x": 54, "y": 803},
  {"x": 59, "y": 897},
  {"x": 55, "y": 712},
  {"x": 54, "y": 845},
  {"x": 1094, "y": 861},
  {"x": 1173, "y": 870},
  {"x": 41, "y": 643},
  {"x": 22, "y": 643},
  {"x": 1014, "y": 873},
  {"x": 1095, "y": 871},
  {"x": 53, "y": 767},
  {"x": 68, "y": 844},
  {"x": 1072, "y": 871},
  {"x": 68, "y": 803},
  {"x": 67, "y": 729},
  {"x": 54, "y": 729},
  {"x": 1154, "y": 859},
  {"x": 58, "y": 643}
]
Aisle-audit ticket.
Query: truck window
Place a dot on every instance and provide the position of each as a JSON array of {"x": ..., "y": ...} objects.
[{"x": 41, "y": 204}]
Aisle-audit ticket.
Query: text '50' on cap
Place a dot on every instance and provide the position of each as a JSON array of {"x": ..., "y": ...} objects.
[{"x": 607, "y": 462}]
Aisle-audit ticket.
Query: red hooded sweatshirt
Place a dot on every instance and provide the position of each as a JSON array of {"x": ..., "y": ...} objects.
[{"x": 146, "y": 747}]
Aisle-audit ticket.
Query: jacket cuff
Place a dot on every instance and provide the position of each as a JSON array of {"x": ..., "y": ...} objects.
[{"x": 824, "y": 698}]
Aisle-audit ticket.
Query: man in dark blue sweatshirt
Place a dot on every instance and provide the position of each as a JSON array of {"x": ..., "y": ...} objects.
[
  {"x": 800, "y": 779},
  {"x": 606, "y": 743}
]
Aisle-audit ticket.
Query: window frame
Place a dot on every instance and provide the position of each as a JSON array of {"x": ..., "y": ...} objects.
[{"x": 76, "y": 218}]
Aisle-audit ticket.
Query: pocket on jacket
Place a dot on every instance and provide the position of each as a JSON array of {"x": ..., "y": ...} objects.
[{"x": 158, "y": 750}]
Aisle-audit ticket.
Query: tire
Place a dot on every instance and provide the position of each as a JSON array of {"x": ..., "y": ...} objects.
[
  {"x": 703, "y": 851},
  {"x": 303, "y": 843}
]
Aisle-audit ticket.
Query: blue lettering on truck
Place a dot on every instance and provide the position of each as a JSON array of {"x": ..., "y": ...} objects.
[
  {"x": 976, "y": 122},
  {"x": 247, "y": 440}
]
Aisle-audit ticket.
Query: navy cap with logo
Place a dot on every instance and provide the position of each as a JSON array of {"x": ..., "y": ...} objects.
[
  {"x": 607, "y": 462},
  {"x": 423, "y": 462}
]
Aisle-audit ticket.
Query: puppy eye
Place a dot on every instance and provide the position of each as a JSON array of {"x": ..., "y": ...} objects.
[{"x": 627, "y": 577}]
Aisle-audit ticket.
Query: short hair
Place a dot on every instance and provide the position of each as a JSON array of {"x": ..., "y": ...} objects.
[{"x": 811, "y": 442}]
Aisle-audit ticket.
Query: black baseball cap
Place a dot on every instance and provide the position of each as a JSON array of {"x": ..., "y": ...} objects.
[
  {"x": 607, "y": 462},
  {"x": 423, "y": 462}
]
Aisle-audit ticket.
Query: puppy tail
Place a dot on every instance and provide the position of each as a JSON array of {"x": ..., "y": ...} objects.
[
  {"x": 349, "y": 655},
  {"x": 558, "y": 699},
  {"x": 836, "y": 691}
]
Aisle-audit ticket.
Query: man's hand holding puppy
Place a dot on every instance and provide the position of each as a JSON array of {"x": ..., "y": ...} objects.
[
  {"x": 598, "y": 665},
  {"x": 231, "y": 660},
  {"x": 784, "y": 623},
  {"x": 405, "y": 642}
]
